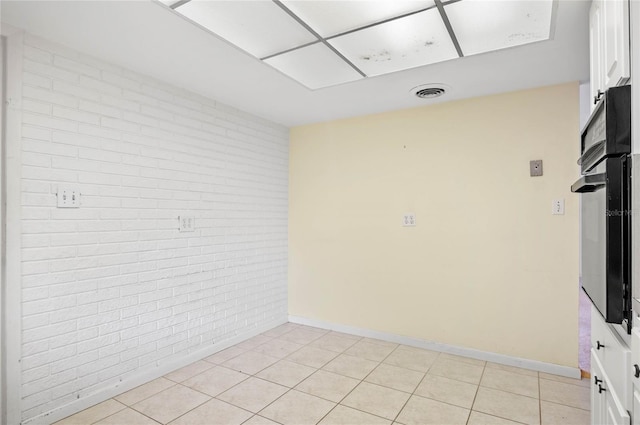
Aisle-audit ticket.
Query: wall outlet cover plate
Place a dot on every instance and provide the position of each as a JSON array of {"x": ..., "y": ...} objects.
[
  {"x": 409, "y": 219},
  {"x": 186, "y": 223}
]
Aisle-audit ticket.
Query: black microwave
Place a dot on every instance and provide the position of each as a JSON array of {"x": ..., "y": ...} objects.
[{"x": 605, "y": 188}]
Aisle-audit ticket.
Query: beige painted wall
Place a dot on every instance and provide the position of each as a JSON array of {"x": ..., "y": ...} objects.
[{"x": 487, "y": 267}]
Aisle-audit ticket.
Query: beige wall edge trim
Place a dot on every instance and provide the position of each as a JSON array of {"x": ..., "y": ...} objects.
[
  {"x": 136, "y": 379},
  {"x": 538, "y": 366}
]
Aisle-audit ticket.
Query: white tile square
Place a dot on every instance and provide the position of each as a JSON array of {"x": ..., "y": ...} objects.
[
  {"x": 278, "y": 348},
  {"x": 214, "y": 381},
  {"x": 253, "y": 394},
  {"x": 327, "y": 385},
  {"x": 509, "y": 381},
  {"x": 188, "y": 371},
  {"x": 144, "y": 391},
  {"x": 94, "y": 413},
  {"x": 286, "y": 373},
  {"x": 343, "y": 415},
  {"x": 354, "y": 367},
  {"x": 170, "y": 403},
  {"x": 370, "y": 351},
  {"x": 508, "y": 406},
  {"x": 395, "y": 377},
  {"x": 296, "y": 408},
  {"x": 213, "y": 411},
  {"x": 568, "y": 394},
  {"x": 224, "y": 355},
  {"x": 250, "y": 362},
  {"x": 377, "y": 400},
  {"x": 457, "y": 370},
  {"x": 447, "y": 390},
  {"x": 128, "y": 417},
  {"x": 423, "y": 411},
  {"x": 412, "y": 358},
  {"x": 312, "y": 356}
]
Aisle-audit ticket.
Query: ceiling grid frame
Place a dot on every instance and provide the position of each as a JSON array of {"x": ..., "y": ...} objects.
[{"x": 348, "y": 59}]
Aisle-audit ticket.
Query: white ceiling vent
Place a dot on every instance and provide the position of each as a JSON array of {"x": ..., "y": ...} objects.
[{"x": 430, "y": 91}]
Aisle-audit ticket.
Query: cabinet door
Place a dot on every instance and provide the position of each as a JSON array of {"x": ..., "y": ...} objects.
[
  {"x": 596, "y": 28},
  {"x": 635, "y": 362},
  {"x": 615, "y": 413},
  {"x": 636, "y": 408},
  {"x": 598, "y": 398},
  {"x": 617, "y": 359},
  {"x": 616, "y": 43}
]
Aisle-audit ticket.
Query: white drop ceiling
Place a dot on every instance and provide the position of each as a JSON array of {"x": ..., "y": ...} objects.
[
  {"x": 297, "y": 62},
  {"x": 312, "y": 41}
]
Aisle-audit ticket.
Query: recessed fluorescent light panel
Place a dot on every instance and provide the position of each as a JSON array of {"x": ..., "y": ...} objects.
[
  {"x": 483, "y": 26},
  {"x": 329, "y": 42},
  {"x": 412, "y": 41},
  {"x": 315, "y": 66}
]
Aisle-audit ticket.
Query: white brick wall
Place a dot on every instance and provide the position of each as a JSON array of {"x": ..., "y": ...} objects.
[{"x": 113, "y": 288}]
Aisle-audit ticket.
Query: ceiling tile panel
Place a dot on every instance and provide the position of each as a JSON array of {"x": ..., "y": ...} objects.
[
  {"x": 486, "y": 25},
  {"x": 412, "y": 41},
  {"x": 314, "y": 66},
  {"x": 330, "y": 18},
  {"x": 261, "y": 28}
]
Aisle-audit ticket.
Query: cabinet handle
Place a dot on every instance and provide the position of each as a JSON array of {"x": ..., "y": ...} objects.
[
  {"x": 601, "y": 389},
  {"x": 596, "y": 380},
  {"x": 597, "y": 97},
  {"x": 599, "y": 345},
  {"x": 637, "y": 371}
]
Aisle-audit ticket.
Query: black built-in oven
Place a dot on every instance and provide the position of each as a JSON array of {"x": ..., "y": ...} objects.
[{"x": 605, "y": 188}]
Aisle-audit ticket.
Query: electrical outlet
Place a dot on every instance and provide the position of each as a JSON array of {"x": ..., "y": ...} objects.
[
  {"x": 68, "y": 197},
  {"x": 409, "y": 219},
  {"x": 557, "y": 207},
  {"x": 186, "y": 223}
]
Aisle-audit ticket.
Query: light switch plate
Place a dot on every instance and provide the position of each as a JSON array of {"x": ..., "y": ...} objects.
[
  {"x": 68, "y": 197},
  {"x": 186, "y": 223},
  {"x": 535, "y": 168}
]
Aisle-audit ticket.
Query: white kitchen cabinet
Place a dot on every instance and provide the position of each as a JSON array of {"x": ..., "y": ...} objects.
[
  {"x": 636, "y": 407},
  {"x": 635, "y": 374},
  {"x": 614, "y": 356},
  {"x": 598, "y": 408},
  {"x": 606, "y": 406},
  {"x": 612, "y": 394},
  {"x": 609, "y": 45}
]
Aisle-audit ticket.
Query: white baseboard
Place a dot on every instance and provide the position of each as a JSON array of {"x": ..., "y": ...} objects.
[
  {"x": 538, "y": 366},
  {"x": 136, "y": 379}
]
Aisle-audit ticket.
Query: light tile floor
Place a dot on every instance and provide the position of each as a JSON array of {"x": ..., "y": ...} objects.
[{"x": 297, "y": 375}]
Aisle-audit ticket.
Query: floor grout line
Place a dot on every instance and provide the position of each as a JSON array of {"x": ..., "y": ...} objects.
[
  {"x": 357, "y": 385},
  {"x": 539, "y": 400},
  {"x": 289, "y": 388},
  {"x": 395, "y": 419},
  {"x": 475, "y": 396}
]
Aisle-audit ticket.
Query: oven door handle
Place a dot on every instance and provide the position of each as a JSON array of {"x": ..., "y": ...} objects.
[
  {"x": 596, "y": 151},
  {"x": 589, "y": 183}
]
